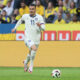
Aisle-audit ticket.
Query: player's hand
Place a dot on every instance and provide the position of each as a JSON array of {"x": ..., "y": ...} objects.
[
  {"x": 13, "y": 30},
  {"x": 38, "y": 24}
]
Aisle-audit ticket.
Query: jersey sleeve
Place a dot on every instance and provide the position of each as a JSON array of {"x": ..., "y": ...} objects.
[
  {"x": 42, "y": 23},
  {"x": 20, "y": 21}
]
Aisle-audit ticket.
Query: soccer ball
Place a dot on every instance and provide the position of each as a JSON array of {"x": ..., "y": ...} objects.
[{"x": 56, "y": 73}]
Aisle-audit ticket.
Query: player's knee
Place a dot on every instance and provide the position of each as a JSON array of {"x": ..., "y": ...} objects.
[{"x": 34, "y": 48}]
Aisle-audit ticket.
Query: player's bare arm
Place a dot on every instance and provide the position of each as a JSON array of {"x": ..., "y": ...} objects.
[{"x": 17, "y": 25}]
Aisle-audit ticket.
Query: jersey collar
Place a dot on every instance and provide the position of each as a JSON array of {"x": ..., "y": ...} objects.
[{"x": 33, "y": 16}]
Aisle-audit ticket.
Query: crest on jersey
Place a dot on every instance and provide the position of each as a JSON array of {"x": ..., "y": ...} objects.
[
  {"x": 29, "y": 40},
  {"x": 36, "y": 19}
]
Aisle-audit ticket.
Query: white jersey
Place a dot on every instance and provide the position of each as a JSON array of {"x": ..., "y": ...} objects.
[{"x": 32, "y": 31}]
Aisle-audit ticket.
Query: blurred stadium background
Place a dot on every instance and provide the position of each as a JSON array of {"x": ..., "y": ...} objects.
[{"x": 60, "y": 43}]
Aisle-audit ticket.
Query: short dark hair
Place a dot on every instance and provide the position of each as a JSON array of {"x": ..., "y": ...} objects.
[{"x": 33, "y": 5}]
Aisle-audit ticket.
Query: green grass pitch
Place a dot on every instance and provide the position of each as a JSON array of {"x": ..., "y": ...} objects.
[{"x": 38, "y": 74}]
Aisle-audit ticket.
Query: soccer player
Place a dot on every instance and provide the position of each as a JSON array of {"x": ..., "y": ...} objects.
[{"x": 34, "y": 23}]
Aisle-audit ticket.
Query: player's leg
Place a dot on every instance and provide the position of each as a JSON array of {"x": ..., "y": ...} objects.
[
  {"x": 31, "y": 46},
  {"x": 28, "y": 57},
  {"x": 32, "y": 56},
  {"x": 26, "y": 61}
]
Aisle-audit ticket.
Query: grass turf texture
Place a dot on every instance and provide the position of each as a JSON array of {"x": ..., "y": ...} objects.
[{"x": 38, "y": 74}]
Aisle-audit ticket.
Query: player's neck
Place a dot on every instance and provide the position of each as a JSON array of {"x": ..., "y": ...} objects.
[{"x": 33, "y": 15}]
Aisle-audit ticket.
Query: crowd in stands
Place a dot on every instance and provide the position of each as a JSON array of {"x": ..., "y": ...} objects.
[{"x": 53, "y": 11}]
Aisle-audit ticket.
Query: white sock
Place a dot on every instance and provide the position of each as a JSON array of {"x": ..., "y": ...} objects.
[
  {"x": 32, "y": 56},
  {"x": 28, "y": 59}
]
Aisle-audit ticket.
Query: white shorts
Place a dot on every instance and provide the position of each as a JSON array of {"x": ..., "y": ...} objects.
[{"x": 29, "y": 43}]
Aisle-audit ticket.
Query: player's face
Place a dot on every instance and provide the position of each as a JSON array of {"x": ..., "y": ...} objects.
[{"x": 32, "y": 10}]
